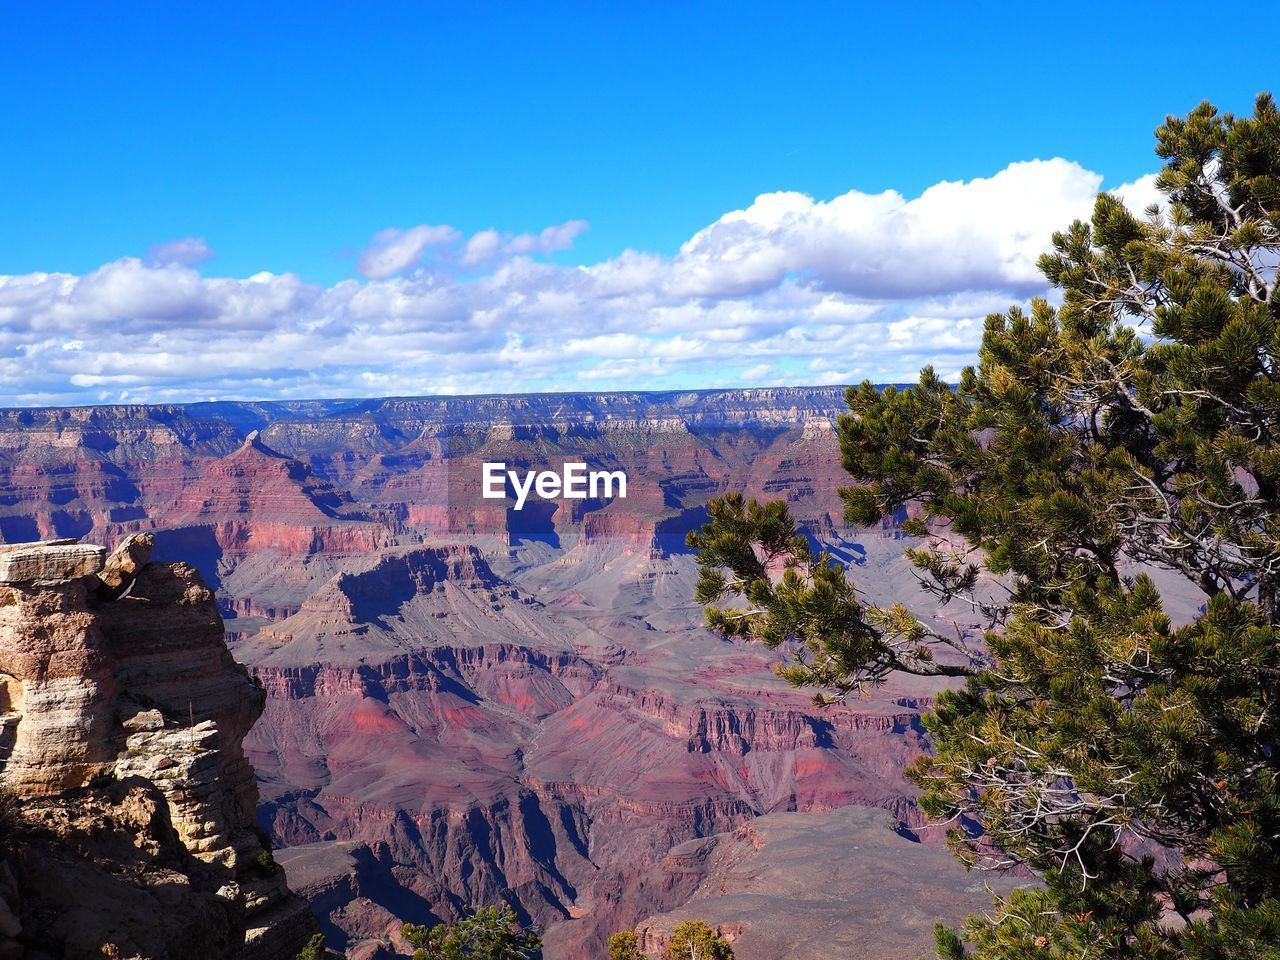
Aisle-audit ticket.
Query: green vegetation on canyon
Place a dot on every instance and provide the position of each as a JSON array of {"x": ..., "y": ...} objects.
[
  {"x": 694, "y": 940},
  {"x": 625, "y": 946},
  {"x": 491, "y": 933},
  {"x": 1129, "y": 434}
]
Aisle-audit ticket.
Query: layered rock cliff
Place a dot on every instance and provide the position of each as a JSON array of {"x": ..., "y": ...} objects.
[
  {"x": 128, "y": 804},
  {"x": 438, "y": 736}
]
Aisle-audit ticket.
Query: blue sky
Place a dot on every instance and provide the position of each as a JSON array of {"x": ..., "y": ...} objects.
[{"x": 288, "y": 138}]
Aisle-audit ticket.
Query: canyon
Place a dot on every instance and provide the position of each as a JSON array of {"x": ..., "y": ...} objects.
[{"x": 465, "y": 703}]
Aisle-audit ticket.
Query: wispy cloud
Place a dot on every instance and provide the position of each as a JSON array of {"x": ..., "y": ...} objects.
[
  {"x": 488, "y": 246},
  {"x": 787, "y": 289},
  {"x": 187, "y": 251},
  {"x": 394, "y": 250}
]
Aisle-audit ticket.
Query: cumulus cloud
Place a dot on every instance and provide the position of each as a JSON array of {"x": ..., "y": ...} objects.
[
  {"x": 789, "y": 289},
  {"x": 1140, "y": 194},
  {"x": 983, "y": 233}
]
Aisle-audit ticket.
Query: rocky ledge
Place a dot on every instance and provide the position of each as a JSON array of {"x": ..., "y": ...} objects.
[{"x": 126, "y": 802}]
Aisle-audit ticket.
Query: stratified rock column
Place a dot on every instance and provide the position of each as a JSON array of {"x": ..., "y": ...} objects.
[
  {"x": 166, "y": 639},
  {"x": 115, "y": 677},
  {"x": 57, "y": 689}
]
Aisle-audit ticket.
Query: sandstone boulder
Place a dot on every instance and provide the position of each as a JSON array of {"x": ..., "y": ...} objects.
[
  {"x": 49, "y": 560},
  {"x": 125, "y": 563}
]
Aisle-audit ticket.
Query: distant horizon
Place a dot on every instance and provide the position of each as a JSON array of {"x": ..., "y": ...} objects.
[{"x": 303, "y": 401}]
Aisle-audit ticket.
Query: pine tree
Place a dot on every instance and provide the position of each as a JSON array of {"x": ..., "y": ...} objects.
[
  {"x": 314, "y": 950},
  {"x": 1129, "y": 759},
  {"x": 694, "y": 940},
  {"x": 488, "y": 934},
  {"x": 625, "y": 946}
]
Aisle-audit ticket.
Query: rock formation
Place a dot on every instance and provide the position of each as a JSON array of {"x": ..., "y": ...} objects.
[{"x": 127, "y": 802}]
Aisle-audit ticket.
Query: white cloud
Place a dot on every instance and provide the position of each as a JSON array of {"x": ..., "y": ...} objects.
[
  {"x": 490, "y": 245},
  {"x": 980, "y": 234},
  {"x": 759, "y": 374},
  {"x": 1140, "y": 194},
  {"x": 394, "y": 250},
  {"x": 186, "y": 251},
  {"x": 787, "y": 289}
]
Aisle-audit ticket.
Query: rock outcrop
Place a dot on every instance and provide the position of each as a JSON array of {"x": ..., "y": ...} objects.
[
  {"x": 126, "y": 802},
  {"x": 811, "y": 886}
]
